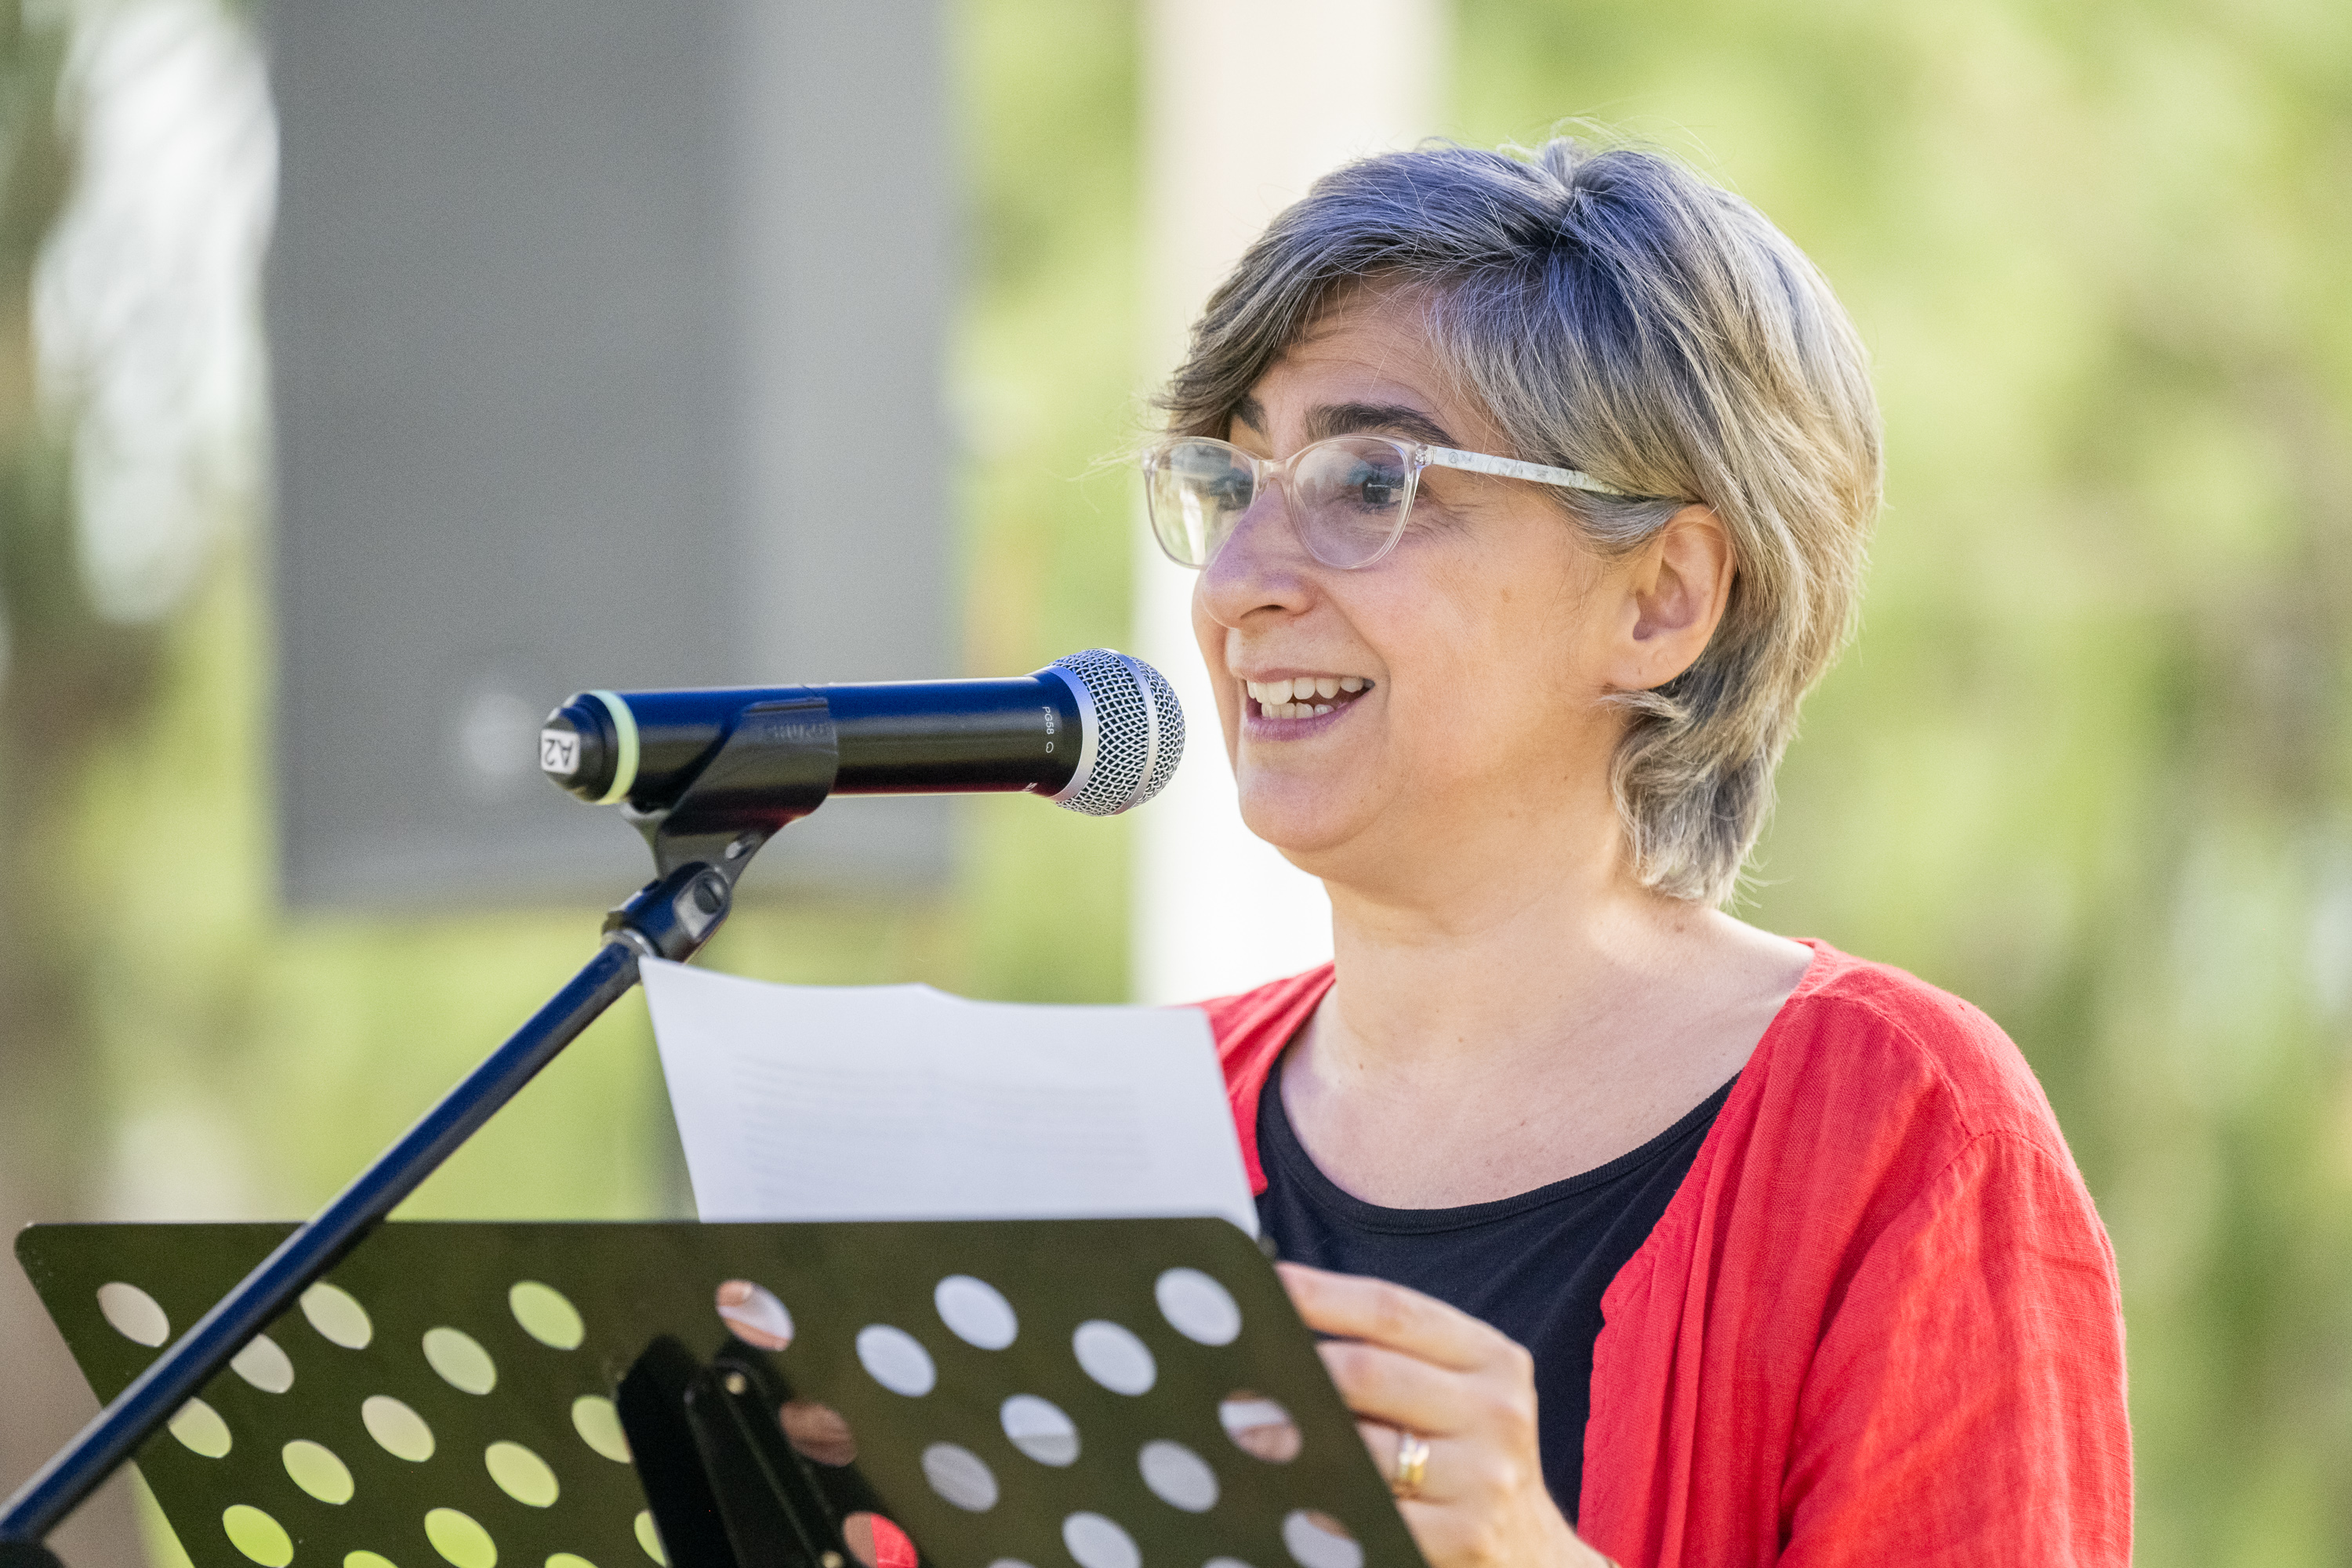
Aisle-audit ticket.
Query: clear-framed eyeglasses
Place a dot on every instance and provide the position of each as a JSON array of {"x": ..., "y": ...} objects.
[{"x": 1347, "y": 497}]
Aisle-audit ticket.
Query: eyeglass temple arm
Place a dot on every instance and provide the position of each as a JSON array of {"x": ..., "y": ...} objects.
[{"x": 1512, "y": 469}]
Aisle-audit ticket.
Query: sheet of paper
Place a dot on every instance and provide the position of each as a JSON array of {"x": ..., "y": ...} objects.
[{"x": 804, "y": 1103}]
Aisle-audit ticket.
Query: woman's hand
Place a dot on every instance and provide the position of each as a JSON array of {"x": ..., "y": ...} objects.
[{"x": 1407, "y": 1363}]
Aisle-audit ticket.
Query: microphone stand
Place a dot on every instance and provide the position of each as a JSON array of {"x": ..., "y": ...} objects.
[{"x": 701, "y": 844}]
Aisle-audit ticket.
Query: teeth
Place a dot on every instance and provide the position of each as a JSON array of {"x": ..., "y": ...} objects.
[
  {"x": 1322, "y": 707},
  {"x": 1302, "y": 692}
]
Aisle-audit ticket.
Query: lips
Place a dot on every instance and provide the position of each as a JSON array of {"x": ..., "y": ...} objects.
[{"x": 1304, "y": 696}]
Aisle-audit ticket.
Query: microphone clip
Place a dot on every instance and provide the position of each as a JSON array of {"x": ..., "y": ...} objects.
[{"x": 777, "y": 765}]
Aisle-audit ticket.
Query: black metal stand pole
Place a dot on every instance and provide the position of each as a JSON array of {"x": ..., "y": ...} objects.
[{"x": 668, "y": 918}]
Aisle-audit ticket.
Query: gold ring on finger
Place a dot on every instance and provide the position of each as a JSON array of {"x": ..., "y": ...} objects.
[{"x": 1412, "y": 1465}]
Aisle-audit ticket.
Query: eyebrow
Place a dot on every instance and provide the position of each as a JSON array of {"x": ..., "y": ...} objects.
[{"x": 1349, "y": 418}]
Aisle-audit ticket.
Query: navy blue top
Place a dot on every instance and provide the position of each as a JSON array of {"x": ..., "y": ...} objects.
[{"x": 1533, "y": 1265}]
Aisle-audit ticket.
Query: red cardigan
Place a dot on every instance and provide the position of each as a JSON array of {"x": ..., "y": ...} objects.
[{"x": 1879, "y": 1321}]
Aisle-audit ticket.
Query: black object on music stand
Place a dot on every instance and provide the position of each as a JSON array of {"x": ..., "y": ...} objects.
[{"x": 1033, "y": 1392}]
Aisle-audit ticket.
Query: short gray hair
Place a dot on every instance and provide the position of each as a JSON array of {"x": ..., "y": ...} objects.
[{"x": 1616, "y": 314}]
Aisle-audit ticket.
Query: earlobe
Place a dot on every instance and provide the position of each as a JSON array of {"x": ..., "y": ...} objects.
[{"x": 1679, "y": 588}]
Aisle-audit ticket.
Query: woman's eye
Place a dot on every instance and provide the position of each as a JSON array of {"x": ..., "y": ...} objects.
[{"x": 1373, "y": 486}]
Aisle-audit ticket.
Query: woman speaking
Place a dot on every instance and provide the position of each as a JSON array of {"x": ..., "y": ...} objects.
[{"x": 1528, "y": 497}]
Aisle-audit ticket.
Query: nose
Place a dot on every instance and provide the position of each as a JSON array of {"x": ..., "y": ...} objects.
[{"x": 1261, "y": 565}]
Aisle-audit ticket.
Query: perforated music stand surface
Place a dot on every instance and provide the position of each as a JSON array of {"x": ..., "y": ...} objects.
[{"x": 630, "y": 1284}]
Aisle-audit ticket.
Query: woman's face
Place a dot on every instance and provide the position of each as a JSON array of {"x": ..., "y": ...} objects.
[{"x": 1470, "y": 661}]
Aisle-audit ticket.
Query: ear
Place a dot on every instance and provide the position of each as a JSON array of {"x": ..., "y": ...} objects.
[{"x": 1675, "y": 589}]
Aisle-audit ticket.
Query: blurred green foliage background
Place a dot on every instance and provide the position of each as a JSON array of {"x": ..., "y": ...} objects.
[{"x": 2088, "y": 764}]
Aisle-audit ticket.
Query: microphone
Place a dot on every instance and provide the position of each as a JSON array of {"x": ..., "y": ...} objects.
[{"x": 1096, "y": 733}]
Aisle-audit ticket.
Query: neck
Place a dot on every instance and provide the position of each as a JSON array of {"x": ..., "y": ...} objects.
[
  {"x": 1513, "y": 1007},
  {"x": 1484, "y": 958}
]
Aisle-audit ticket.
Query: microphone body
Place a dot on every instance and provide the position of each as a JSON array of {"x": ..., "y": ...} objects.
[
  {"x": 1096, "y": 731},
  {"x": 914, "y": 737}
]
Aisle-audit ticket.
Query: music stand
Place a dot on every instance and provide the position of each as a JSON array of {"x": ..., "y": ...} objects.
[{"x": 1019, "y": 1394}]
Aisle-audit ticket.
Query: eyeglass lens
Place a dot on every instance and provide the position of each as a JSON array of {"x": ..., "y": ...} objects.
[{"x": 1347, "y": 497}]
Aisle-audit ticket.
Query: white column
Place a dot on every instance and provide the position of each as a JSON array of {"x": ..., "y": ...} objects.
[{"x": 1244, "y": 105}]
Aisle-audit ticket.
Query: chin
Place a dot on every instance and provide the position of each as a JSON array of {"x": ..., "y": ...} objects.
[{"x": 1302, "y": 822}]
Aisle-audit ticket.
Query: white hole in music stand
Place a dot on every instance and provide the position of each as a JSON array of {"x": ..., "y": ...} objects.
[
  {"x": 338, "y": 1316},
  {"x": 1097, "y": 1543},
  {"x": 599, "y": 1426},
  {"x": 546, "y": 1315},
  {"x": 264, "y": 1365},
  {"x": 397, "y": 1430},
  {"x": 460, "y": 1360},
  {"x": 977, "y": 1312},
  {"x": 200, "y": 1430},
  {"x": 1197, "y": 1307},
  {"x": 1318, "y": 1541},
  {"x": 1260, "y": 1427},
  {"x": 649, "y": 1537},
  {"x": 256, "y": 1535},
  {"x": 819, "y": 1432},
  {"x": 1114, "y": 1357},
  {"x": 133, "y": 1313},
  {"x": 897, "y": 1360},
  {"x": 314, "y": 1468},
  {"x": 960, "y": 1476},
  {"x": 864, "y": 1533},
  {"x": 460, "y": 1538},
  {"x": 753, "y": 1314},
  {"x": 1039, "y": 1428},
  {"x": 1178, "y": 1477},
  {"x": 521, "y": 1474}
]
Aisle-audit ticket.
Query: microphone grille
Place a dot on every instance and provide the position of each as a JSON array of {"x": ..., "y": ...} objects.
[{"x": 1137, "y": 733}]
